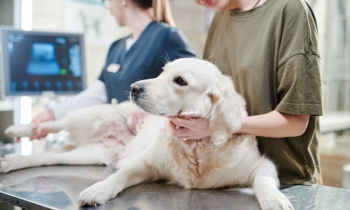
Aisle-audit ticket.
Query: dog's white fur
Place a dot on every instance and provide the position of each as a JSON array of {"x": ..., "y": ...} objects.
[{"x": 223, "y": 159}]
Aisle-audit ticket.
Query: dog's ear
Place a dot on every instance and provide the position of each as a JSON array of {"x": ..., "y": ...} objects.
[{"x": 225, "y": 117}]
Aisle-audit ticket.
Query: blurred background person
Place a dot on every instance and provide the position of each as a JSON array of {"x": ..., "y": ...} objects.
[{"x": 154, "y": 40}]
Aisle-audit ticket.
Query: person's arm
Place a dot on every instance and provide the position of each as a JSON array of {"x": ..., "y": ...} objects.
[
  {"x": 273, "y": 124},
  {"x": 94, "y": 95}
]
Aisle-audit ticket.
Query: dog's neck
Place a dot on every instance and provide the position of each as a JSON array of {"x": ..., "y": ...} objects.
[{"x": 198, "y": 158}]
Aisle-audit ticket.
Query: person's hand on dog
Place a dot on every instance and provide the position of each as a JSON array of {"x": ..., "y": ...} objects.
[
  {"x": 185, "y": 128},
  {"x": 44, "y": 116}
]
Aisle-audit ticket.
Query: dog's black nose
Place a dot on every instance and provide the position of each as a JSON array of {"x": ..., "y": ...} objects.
[{"x": 136, "y": 89}]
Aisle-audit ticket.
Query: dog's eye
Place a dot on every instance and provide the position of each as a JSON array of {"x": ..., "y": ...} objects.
[{"x": 180, "y": 81}]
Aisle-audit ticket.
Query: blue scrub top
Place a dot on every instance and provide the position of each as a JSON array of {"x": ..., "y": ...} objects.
[{"x": 144, "y": 60}]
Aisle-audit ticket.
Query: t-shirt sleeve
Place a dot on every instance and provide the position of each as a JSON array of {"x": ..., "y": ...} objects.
[
  {"x": 298, "y": 32},
  {"x": 298, "y": 72},
  {"x": 299, "y": 86},
  {"x": 177, "y": 46}
]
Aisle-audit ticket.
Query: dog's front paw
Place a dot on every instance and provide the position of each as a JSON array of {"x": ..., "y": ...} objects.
[
  {"x": 98, "y": 193},
  {"x": 274, "y": 200},
  {"x": 5, "y": 165}
]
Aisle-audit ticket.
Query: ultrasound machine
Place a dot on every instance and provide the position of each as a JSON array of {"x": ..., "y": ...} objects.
[{"x": 37, "y": 63}]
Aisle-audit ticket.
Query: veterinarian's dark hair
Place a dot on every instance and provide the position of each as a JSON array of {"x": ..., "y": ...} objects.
[{"x": 160, "y": 10}]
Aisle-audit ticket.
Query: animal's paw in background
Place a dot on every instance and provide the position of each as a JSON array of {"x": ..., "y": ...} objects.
[
  {"x": 7, "y": 163},
  {"x": 24, "y": 130}
]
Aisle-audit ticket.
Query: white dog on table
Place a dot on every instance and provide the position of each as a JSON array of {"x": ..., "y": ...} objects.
[{"x": 187, "y": 87}]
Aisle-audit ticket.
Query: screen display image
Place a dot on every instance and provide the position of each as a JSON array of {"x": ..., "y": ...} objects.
[{"x": 38, "y": 61}]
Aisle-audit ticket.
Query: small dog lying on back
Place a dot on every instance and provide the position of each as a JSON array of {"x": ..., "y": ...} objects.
[{"x": 187, "y": 87}]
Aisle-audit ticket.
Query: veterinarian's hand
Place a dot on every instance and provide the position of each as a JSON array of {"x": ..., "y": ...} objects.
[
  {"x": 137, "y": 118},
  {"x": 44, "y": 116},
  {"x": 189, "y": 128}
]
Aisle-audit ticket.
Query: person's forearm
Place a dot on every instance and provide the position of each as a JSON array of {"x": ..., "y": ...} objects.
[
  {"x": 275, "y": 125},
  {"x": 94, "y": 95}
]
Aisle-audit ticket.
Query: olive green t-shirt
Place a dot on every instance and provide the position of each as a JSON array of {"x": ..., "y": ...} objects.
[{"x": 272, "y": 55}]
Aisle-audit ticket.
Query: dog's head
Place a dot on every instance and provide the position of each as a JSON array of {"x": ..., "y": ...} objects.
[{"x": 193, "y": 87}]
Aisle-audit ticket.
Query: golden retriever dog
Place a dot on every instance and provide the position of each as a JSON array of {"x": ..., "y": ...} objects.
[{"x": 187, "y": 87}]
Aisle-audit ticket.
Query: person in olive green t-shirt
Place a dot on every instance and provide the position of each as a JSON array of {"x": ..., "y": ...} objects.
[{"x": 270, "y": 49}]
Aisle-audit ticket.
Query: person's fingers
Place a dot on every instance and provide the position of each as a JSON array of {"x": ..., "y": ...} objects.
[
  {"x": 199, "y": 123},
  {"x": 34, "y": 136},
  {"x": 172, "y": 127},
  {"x": 43, "y": 133},
  {"x": 180, "y": 133},
  {"x": 39, "y": 136},
  {"x": 46, "y": 133},
  {"x": 181, "y": 122}
]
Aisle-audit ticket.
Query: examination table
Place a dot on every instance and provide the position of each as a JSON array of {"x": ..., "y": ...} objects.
[{"x": 57, "y": 187}]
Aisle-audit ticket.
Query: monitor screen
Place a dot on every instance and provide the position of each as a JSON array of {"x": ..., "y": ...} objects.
[{"x": 35, "y": 62}]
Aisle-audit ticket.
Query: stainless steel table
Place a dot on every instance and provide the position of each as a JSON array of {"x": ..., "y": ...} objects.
[{"x": 57, "y": 187}]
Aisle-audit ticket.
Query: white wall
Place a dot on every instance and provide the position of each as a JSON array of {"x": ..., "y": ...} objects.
[{"x": 190, "y": 19}]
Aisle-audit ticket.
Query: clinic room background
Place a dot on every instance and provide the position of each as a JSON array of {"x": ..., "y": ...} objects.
[{"x": 100, "y": 30}]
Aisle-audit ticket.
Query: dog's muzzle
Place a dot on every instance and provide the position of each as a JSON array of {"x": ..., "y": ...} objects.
[{"x": 136, "y": 90}]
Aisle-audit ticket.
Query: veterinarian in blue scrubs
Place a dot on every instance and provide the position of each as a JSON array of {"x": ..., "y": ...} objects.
[
  {"x": 157, "y": 44},
  {"x": 141, "y": 55},
  {"x": 270, "y": 50}
]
